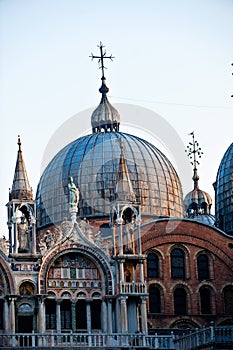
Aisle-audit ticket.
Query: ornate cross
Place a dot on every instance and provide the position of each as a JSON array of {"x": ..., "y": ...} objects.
[
  {"x": 101, "y": 58},
  {"x": 193, "y": 151}
]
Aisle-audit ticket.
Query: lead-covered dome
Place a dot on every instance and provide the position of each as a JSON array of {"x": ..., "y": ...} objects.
[
  {"x": 94, "y": 162},
  {"x": 108, "y": 166},
  {"x": 224, "y": 192}
]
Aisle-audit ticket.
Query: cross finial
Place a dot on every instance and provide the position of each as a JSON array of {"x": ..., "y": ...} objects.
[
  {"x": 193, "y": 151},
  {"x": 101, "y": 58}
]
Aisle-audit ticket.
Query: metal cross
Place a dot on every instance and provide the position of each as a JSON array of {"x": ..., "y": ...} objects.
[
  {"x": 101, "y": 58},
  {"x": 193, "y": 150}
]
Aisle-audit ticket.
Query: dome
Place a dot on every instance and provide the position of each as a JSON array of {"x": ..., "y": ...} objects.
[
  {"x": 94, "y": 161},
  {"x": 223, "y": 192},
  {"x": 197, "y": 201},
  {"x": 105, "y": 116},
  {"x": 207, "y": 219}
]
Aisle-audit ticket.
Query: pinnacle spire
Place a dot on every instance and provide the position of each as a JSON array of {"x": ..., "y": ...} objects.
[
  {"x": 193, "y": 151},
  {"x": 20, "y": 188},
  {"x": 124, "y": 188}
]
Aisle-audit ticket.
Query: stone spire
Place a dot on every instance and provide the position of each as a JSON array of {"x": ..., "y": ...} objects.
[
  {"x": 21, "y": 189},
  {"x": 124, "y": 189},
  {"x": 105, "y": 117}
]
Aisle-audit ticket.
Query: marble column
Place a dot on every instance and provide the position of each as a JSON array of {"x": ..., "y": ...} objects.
[
  {"x": 144, "y": 315},
  {"x": 124, "y": 318},
  {"x": 109, "y": 307},
  {"x": 41, "y": 314},
  {"x": 88, "y": 311},
  {"x": 73, "y": 315},
  {"x": 12, "y": 314},
  {"x": 6, "y": 316},
  {"x": 58, "y": 315},
  {"x": 33, "y": 236},
  {"x": 104, "y": 317}
]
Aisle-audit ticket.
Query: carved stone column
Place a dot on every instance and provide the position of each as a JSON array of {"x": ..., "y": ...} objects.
[
  {"x": 124, "y": 318},
  {"x": 144, "y": 315},
  {"x": 33, "y": 235},
  {"x": 12, "y": 300},
  {"x": 73, "y": 315},
  {"x": 58, "y": 315},
  {"x": 41, "y": 314},
  {"x": 6, "y": 316},
  {"x": 88, "y": 311},
  {"x": 109, "y": 307},
  {"x": 104, "y": 318}
]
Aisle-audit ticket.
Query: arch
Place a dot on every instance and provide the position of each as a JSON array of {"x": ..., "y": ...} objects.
[
  {"x": 206, "y": 299},
  {"x": 25, "y": 308},
  {"x": 153, "y": 265},
  {"x": 202, "y": 265},
  {"x": 184, "y": 323},
  {"x": 66, "y": 295},
  {"x": 27, "y": 288},
  {"x": 203, "y": 268},
  {"x": 81, "y": 295},
  {"x": 177, "y": 257},
  {"x": 155, "y": 296},
  {"x": 94, "y": 255},
  {"x": 180, "y": 300}
]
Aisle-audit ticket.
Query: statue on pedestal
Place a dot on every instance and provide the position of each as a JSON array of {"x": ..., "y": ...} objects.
[{"x": 23, "y": 236}]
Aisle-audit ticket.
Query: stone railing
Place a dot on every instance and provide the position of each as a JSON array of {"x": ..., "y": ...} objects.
[
  {"x": 204, "y": 337},
  {"x": 132, "y": 288},
  {"x": 85, "y": 340}
]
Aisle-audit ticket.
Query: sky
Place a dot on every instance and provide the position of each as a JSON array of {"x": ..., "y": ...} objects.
[{"x": 172, "y": 57}]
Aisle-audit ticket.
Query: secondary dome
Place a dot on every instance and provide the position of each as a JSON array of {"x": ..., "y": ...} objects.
[
  {"x": 223, "y": 192},
  {"x": 197, "y": 203}
]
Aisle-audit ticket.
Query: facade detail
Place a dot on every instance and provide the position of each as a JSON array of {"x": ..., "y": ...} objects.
[{"x": 109, "y": 254}]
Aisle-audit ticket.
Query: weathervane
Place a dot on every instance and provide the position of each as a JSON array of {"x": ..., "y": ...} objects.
[
  {"x": 101, "y": 58},
  {"x": 193, "y": 151}
]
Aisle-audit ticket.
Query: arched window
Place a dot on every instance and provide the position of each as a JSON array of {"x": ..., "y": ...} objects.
[
  {"x": 50, "y": 314},
  {"x": 154, "y": 299},
  {"x": 203, "y": 267},
  {"x": 205, "y": 298},
  {"x": 177, "y": 263},
  {"x": 180, "y": 301},
  {"x": 228, "y": 299},
  {"x": 65, "y": 315},
  {"x": 152, "y": 265}
]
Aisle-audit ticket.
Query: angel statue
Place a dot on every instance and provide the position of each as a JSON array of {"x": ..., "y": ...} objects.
[{"x": 73, "y": 194}]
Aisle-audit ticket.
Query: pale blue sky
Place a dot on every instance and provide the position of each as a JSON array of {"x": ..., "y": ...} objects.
[{"x": 172, "y": 56}]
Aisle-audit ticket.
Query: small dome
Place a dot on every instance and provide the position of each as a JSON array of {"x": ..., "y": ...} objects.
[
  {"x": 105, "y": 117},
  {"x": 207, "y": 219},
  {"x": 223, "y": 192},
  {"x": 197, "y": 202}
]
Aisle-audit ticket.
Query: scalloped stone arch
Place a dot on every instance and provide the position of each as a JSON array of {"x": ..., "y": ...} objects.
[{"x": 94, "y": 255}]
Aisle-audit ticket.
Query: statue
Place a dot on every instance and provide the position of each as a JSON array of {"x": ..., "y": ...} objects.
[
  {"x": 73, "y": 194},
  {"x": 23, "y": 235}
]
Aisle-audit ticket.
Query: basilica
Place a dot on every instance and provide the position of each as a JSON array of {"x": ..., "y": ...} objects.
[{"x": 110, "y": 252}]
